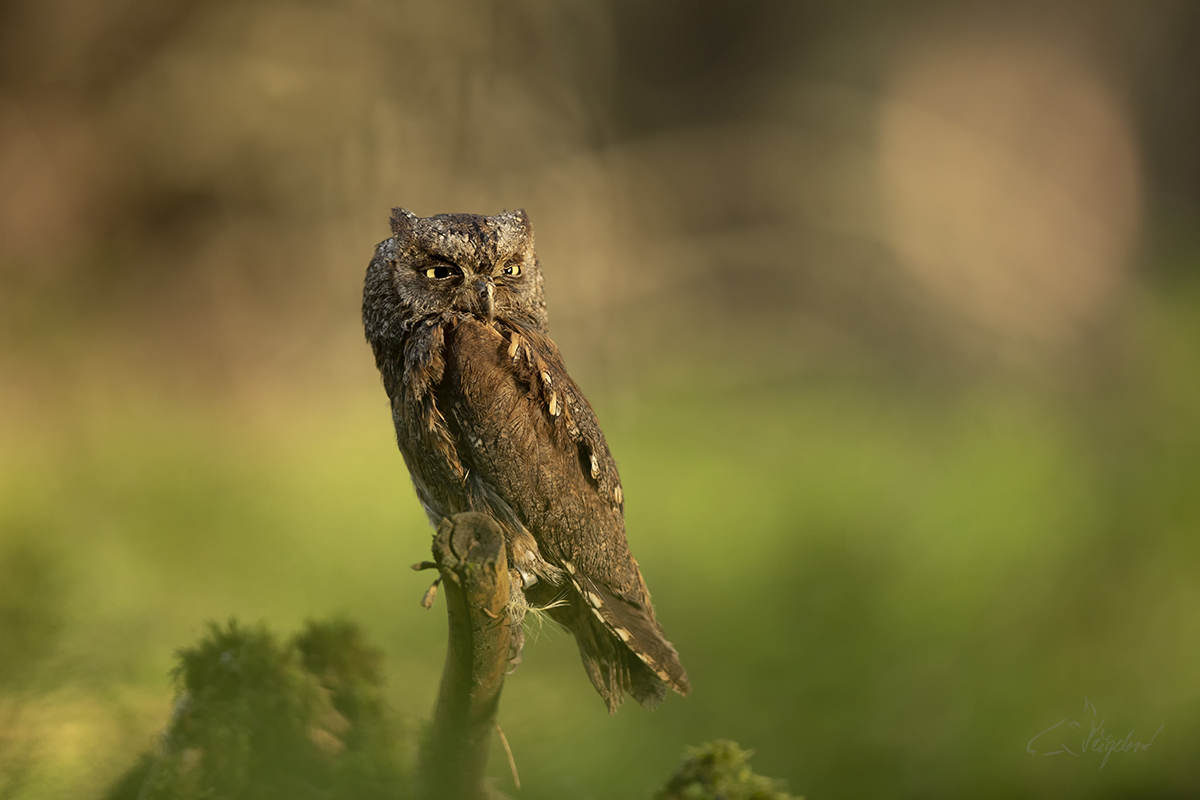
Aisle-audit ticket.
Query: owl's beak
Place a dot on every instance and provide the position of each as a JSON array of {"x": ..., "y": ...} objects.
[{"x": 487, "y": 296}]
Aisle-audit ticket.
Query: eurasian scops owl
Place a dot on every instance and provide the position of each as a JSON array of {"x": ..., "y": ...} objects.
[{"x": 488, "y": 420}]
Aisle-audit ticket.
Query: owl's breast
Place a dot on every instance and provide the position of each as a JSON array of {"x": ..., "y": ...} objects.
[{"x": 428, "y": 446}]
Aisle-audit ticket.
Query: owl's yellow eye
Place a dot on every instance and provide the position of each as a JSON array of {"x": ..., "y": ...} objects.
[
  {"x": 512, "y": 269},
  {"x": 441, "y": 272}
]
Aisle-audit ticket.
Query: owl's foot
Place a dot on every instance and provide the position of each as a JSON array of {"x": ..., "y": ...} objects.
[
  {"x": 516, "y": 644},
  {"x": 516, "y": 641},
  {"x": 514, "y": 611}
]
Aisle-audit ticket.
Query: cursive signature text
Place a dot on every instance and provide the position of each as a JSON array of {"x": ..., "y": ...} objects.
[{"x": 1097, "y": 740}]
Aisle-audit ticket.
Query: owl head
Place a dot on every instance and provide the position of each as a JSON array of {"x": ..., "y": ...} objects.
[{"x": 477, "y": 265}]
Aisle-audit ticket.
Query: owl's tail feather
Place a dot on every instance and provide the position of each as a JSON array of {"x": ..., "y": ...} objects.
[
  {"x": 623, "y": 649},
  {"x": 634, "y": 624}
]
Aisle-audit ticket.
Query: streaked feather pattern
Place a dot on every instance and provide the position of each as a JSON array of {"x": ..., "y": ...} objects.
[{"x": 488, "y": 419}]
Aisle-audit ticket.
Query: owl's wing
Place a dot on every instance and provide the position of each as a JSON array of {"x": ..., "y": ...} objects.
[{"x": 526, "y": 433}]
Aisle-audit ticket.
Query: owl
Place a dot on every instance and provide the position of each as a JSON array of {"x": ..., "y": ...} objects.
[{"x": 488, "y": 420}]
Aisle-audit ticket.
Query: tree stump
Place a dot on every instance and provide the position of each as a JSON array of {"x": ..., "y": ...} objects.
[{"x": 469, "y": 551}]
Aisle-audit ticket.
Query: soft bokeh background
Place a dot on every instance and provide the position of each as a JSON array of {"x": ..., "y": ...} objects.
[{"x": 891, "y": 313}]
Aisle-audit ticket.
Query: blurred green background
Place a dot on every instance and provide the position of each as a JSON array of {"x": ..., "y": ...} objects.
[{"x": 891, "y": 313}]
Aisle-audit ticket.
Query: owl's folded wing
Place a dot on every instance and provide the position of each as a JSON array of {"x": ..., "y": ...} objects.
[{"x": 526, "y": 432}]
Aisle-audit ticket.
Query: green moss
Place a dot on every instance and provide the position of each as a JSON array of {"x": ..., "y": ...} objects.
[
  {"x": 719, "y": 770},
  {"x": 257, "y": 718}
]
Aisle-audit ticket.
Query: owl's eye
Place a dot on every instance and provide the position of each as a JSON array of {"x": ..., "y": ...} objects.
[
  {"x": 512, "y": 269},
  {"x": 441, "y": 272}
]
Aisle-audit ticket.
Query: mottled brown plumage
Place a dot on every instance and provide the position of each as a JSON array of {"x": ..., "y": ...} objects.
[{"x": 488, "y": 419}]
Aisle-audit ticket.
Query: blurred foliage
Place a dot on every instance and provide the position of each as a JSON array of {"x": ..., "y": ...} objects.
[
  {"x": 719, "y": 770},
  {"x": 255, "y": 718},
  {"x": 31, "y": 608}
]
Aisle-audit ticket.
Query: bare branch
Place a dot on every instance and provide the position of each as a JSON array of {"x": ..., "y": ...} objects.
[{"x": 470, "y": 553}]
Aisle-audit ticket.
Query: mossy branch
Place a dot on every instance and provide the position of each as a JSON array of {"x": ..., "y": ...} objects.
[{"x": 469, "y": 551}]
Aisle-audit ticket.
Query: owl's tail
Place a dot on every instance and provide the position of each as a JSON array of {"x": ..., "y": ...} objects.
[{"x": 623, "y": 647}]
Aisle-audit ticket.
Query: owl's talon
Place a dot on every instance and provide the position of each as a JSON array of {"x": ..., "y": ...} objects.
[
  {"x": 488, "y": 611},
  {"x": 430, "y": 594}
]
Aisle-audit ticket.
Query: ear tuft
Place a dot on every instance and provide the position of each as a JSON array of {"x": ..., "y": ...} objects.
[
  {"x": 523, "y": 218},
  {"x": 402, "y": 220}
]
